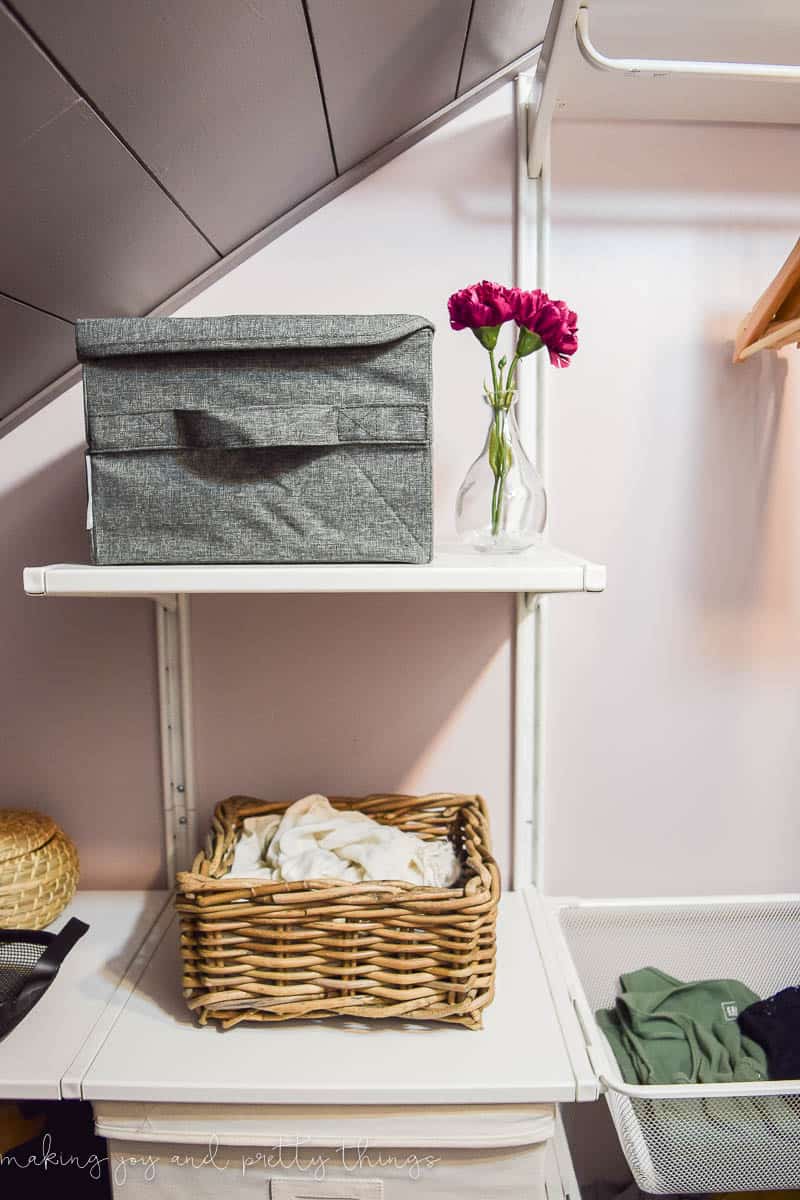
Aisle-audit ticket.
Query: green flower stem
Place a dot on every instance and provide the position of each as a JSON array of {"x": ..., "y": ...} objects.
[
  {"x": 495, "y": 385},
  {"x": 510, "y": 382},
  {"x": 497, "y": 476},
  {"x": 500, "y": 463},
  {"x": 499, "y": 448}
]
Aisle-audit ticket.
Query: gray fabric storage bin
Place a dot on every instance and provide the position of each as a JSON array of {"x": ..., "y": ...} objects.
[{"x": 258, "y": 439}]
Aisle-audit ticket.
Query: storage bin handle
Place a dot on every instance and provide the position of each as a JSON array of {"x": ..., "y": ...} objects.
[{"x": 256, "y": 426}]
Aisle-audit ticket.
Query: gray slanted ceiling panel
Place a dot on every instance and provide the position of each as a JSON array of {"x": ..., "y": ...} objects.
[
  {"x": 34, "y": 348},
  {"x": 85, "y": 230},
  {"x": 31, "y": 93},
  {"x": 385, "y": 66},
  {"x": 500, "y": 31},
  {"x": 219, "y": 97}
]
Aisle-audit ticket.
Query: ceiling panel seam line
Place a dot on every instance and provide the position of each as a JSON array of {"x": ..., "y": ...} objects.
[
  {"x": 46, "y": 312},
  {"x": 318, "y": 69},
  {"x": 464, "y": 49},
  {"x": 87, "y": 99},
  {"x": 276, "y": 228}
]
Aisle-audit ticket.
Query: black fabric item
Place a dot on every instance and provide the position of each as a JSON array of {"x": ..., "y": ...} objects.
[
  {"x": 775, "y": 1024},
  {"x": 67, "y": 1159}
]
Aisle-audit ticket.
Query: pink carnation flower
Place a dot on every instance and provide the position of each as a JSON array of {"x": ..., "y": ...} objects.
[
  {"x": 480, "y": 306},
  {"x": 553, "y": 320}
]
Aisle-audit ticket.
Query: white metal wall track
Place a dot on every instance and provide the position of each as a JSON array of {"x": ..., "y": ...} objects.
[
  {"x": 176, "y": 726},
  {"x": 536, "y": 98},
  {"x": 531, "y": 247},
  {"x": 527, "y": 659}
]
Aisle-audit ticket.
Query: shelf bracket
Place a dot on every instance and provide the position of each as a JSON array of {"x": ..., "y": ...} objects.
[
  {"x": 546, "y": 81},
  {"x": 662, "y": 67},
  {"x": 177, "y": 740}
]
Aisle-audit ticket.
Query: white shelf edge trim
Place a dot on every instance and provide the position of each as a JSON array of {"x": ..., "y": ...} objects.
[
  {"x": 657, "y": 67},
  {"x": 543, "y": 570}
]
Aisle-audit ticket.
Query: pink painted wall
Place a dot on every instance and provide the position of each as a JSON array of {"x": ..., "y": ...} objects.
[
  {"x": 353, "y": 694},
  {"x": 292, "y": 694},
  {"x": 673, "y": 724},
  {"x": 78, "y": 719}
]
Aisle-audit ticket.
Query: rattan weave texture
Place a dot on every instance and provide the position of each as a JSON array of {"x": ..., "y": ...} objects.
[
  {"x": 264, "y": 951},
  {"x": 38, "y": 870}
]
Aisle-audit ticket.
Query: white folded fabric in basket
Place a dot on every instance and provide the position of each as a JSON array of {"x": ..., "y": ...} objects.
[{"x": 314, "y": 840}]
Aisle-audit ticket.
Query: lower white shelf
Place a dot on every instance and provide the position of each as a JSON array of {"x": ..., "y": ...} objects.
[
  {"x": 44, "y": 1057},
  {"x": 155, "y": 1051}
]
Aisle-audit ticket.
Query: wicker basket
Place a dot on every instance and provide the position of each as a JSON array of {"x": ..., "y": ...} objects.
[
  {"x": 255, "y": 951},
  {"x": 38, "y": 870}
]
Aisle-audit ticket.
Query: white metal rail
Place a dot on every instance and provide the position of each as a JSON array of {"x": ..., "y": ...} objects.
[
  {"x": 661, "y": 67},
  {"x": 570, "y": 18}
]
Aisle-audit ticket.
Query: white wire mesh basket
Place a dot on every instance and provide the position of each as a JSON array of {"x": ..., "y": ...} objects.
[{"x": 700, "y": 1137}]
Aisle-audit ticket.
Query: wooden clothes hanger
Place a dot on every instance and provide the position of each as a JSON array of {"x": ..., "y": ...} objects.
[{"x": 774, "y": 320}]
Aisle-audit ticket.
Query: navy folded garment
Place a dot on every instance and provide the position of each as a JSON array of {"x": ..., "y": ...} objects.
[{"x": 775, "y": 1024}]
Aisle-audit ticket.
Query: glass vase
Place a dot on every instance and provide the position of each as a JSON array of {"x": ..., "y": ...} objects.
[{"x": 501, "y": 506}]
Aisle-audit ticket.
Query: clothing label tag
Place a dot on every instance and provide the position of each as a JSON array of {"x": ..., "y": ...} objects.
[
  {"x": 326, "y": 1189},
  {"x": 730, "y": 1010},
  {"x": 89, "y": 513}
]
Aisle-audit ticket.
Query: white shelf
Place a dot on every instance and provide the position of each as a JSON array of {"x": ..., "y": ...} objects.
[
  {"x": 156, "y": 1052},
  {"x": 40, "y": 1057},
  {"x": 542, "y": 569}
]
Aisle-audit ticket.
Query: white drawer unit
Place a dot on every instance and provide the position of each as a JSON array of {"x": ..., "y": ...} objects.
[{"x": 345, "y": 1152}]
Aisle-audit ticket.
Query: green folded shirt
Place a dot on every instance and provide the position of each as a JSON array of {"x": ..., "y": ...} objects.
[{"x": 663, "y": 1031}]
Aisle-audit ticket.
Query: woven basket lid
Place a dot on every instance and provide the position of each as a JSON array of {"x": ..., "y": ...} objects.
[{"x": 21, "y": 832}]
